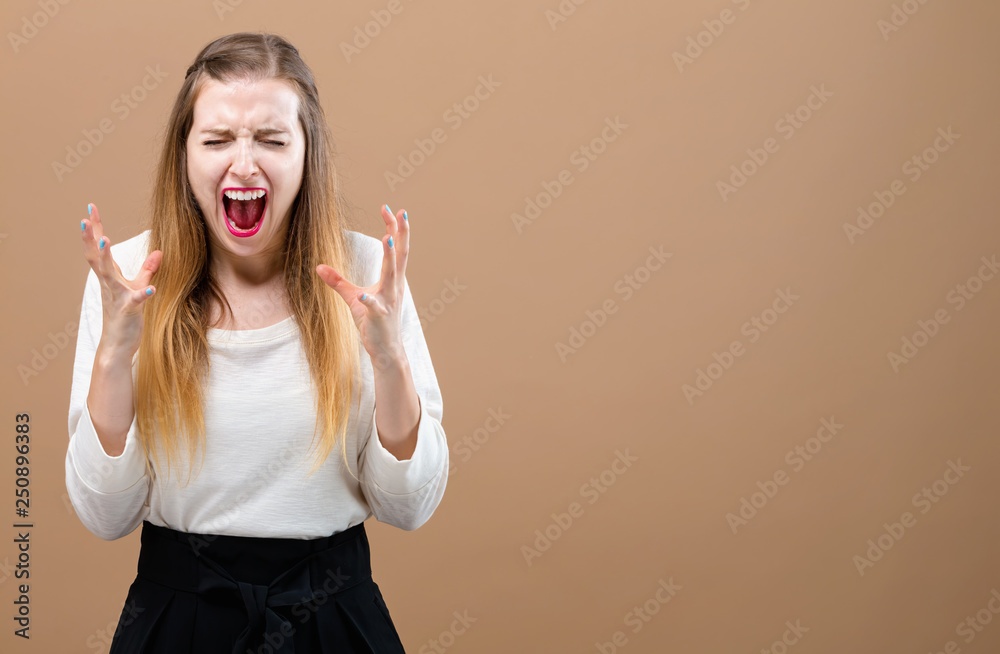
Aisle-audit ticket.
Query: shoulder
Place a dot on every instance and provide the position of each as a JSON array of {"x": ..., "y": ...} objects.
[
  {"x": 130, "y": 253},
  {"x": 363, "y": 244},
  {"x": 367, "y": 251}
]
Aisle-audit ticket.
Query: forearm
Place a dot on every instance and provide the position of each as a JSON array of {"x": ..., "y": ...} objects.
[
  {"x": 110, "y": 401},
  {"x": 397, "y": 406}
]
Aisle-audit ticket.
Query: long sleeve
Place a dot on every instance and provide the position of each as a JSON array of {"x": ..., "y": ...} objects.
[
  {"x": 109, "y": 493},
  {"x": 406, "y": 493}
]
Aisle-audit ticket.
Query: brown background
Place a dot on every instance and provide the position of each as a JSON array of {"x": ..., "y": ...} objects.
[{"x": 494, "y": 345}]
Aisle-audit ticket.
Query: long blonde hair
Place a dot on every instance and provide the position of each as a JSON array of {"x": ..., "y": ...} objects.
[{"x": 173, "y": 354}]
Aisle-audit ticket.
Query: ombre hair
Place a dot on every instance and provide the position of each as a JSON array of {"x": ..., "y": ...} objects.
[{"x": 173, "y": 356}]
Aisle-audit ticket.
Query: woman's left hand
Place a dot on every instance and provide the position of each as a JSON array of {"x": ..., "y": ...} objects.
[{"x": 377, "y": 309}]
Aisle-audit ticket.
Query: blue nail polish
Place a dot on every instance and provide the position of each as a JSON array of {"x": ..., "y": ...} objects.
[
  {"x": 404, "y": 216},
  {"x": 83, "y": 226},
  {"x": 390, "y": 241},
  {"x": 149, "y": 291},
  {"x": 89, "y": 210},
  {"x": 364, "y": 296},
  {"x": 388, "y": 209},
  {"x": 102, "y": 244}
]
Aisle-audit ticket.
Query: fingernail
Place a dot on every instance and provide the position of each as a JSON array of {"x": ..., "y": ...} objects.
[
  {"x": 83, "y": 226},
  {"x": 89, "y": 209},
  {"x": 388, "y": 209},
  {"x": 390, "y": 241},
  {"x": 149, "y": 291},
  {"x": 364, "y": 296},
  {"x": 404, "y": 216},
  {"x": 102, "y": 243}
]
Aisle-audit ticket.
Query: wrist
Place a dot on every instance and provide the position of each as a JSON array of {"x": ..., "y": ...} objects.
[
  {"x": 393, "y": 359},
  {"x": 110, "y": 355}
]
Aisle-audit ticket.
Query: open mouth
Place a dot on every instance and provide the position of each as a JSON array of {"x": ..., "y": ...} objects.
[{"x": 244, "y": 209}]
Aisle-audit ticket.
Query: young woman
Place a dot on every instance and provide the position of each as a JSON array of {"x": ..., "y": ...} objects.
[{"x": 254, "y": 355}]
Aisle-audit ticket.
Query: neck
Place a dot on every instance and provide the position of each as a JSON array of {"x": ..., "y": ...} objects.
[
  {"x": 254, "y": 291},
  {"x": 247, "y": 273},
  {"x": 252, "y": 272}
]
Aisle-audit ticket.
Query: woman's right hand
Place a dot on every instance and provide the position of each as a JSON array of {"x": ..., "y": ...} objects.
[{"x": 122, "y": 299}]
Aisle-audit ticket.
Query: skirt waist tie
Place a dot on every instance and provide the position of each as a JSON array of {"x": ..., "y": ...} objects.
[{"x": 188, "y": 567}]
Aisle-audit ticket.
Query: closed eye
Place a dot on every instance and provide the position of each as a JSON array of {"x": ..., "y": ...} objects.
[{"x": 274, "y": 143}]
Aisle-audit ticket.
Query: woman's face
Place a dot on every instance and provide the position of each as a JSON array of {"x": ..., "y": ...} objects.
[{"x": 245, "y": 157}]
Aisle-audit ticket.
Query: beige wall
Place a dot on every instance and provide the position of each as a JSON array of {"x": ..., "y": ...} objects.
[{"x": 868, "y": 99}]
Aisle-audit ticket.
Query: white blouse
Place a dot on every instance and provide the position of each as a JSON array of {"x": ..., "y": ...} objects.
[{"x": 259, "y": 419}]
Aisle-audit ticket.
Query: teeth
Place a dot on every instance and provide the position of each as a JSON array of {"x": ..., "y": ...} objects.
[
  {"x": 244, "y": 195},
  {"x": 233, "y": 225}
]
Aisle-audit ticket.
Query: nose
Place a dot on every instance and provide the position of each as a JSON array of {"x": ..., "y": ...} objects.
[{"x": 244, "y": 163}]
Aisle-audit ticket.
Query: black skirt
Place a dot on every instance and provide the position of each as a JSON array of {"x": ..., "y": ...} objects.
[{"x": 209, "y": 594}]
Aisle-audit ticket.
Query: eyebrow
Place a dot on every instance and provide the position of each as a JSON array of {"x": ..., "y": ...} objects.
[{"x": 225, "y": 131}]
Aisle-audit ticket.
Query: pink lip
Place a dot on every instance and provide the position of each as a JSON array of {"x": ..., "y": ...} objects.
[{"x": 263, "y": 214}]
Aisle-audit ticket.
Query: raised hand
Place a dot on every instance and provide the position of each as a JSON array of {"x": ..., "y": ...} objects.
[
  {"x": 377, "y": 309},
  {"x": 122, "y": 299}
]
